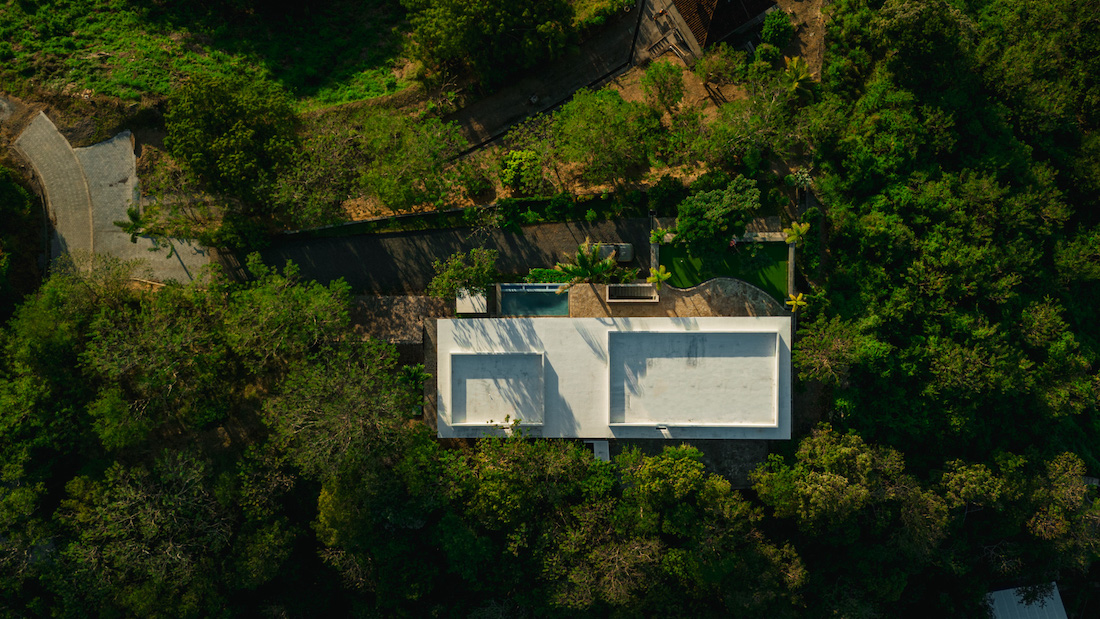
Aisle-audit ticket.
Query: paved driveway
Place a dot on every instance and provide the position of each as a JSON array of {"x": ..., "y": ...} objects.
[{"x": 401, "y": 263}]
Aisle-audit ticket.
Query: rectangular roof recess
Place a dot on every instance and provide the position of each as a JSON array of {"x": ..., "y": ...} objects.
[{"x": 595, "y": 378}]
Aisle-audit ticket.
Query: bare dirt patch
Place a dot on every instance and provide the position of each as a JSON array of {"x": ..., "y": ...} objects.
[{"x": 809, "y": 38}]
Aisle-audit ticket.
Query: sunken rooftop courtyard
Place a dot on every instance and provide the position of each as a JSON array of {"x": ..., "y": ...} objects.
[{"x": 711, "y": 377}]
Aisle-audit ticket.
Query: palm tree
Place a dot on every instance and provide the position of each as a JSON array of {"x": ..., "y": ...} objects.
[
  {"x": 797, "y": 78},
  {"x": 587, "y": 267},
  {"x": 658, "y": 276},
  {"x": 796, "y": 302},
  {"x": 796, "y": 232}
]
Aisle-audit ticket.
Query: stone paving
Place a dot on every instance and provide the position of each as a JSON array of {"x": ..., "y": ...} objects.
[
  {"x": 722, "y": 296},
  {"x": 62, "y": 179},
  {"x": 87, "y": 190}
]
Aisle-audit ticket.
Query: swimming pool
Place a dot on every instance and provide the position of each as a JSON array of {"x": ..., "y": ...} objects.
[{"x": 532, "y": 300}]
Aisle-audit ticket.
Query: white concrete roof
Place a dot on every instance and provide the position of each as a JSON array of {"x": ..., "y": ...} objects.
[{"x": 677, "y": 378}]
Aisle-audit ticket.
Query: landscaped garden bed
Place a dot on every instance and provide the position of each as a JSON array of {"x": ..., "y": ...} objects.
[{"x": 763, "y": 265}]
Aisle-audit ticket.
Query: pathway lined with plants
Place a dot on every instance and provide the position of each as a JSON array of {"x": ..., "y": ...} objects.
[{"x": 401, "y": 263}]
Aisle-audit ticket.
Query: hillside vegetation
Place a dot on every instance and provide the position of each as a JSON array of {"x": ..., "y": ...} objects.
[{"x": 235, "y": 449}]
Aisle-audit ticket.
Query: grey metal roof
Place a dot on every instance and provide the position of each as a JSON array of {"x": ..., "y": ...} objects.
[{"x": 1007, "y": 605}]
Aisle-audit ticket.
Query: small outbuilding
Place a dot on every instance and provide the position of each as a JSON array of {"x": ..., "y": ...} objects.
[{"x": 1008, "y": 604}]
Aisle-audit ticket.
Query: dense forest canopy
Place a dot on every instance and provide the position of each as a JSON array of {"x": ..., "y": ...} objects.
[{"x": 230, "y": 448}]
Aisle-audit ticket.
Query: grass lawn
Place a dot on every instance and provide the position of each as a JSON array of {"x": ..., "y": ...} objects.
[
  {"x": 596, "y": 12},
  {"x": 767, "y": 271},
  {"x": 343, "y": 50}
]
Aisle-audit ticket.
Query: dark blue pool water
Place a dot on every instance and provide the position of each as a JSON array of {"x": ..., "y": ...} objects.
[{"x": 533, "y": 300}]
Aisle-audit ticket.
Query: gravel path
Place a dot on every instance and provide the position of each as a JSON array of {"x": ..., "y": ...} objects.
[{"x": 401, "y": 263}]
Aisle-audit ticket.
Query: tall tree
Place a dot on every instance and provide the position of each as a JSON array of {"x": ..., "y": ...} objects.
[
  {"x": 493, "y": 38},
  {"x": 708, "y": 220},
  {"x": 610, "y": 138},
  {"x": 232, "y": 134},
  {"x": 663, "y": 84}
]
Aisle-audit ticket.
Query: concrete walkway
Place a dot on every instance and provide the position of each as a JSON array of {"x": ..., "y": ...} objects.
[
  {"x": 401, "y": 263},
  {"x": 87, "y": 190}
]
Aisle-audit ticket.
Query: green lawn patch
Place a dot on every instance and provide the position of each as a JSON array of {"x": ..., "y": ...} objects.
[
  {"x": 341, "y": 51},
  {"x": 587, "y": 13},
  {"x": 766, "y": 270}
]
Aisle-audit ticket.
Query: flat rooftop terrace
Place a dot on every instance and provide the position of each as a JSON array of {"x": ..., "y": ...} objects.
[{"x": 649, "y": 377}]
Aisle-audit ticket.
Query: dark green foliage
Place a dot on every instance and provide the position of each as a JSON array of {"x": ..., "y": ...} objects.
[
  {"x": 546, "y": 276},
  {"x": 540, "y": 527},
  {"x": 611, "y": 138},
  {"x": 663, "y": 84},
  {"x": 708, "y": 220},
  {"x": 492, "y": 38},
  {"x": 335, "y": 410},
  {"x": 778, "y": 29},
  {"x": 474, "y": 271},
  {"x": 768, "y": 54},
  {"x": 233, "y": 134},
  {"x": 143, "y": 543},
  {"x": 665, "y": 195},
  {"x": 20, "y": 239}
]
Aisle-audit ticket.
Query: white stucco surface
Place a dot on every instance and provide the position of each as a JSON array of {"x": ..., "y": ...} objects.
[{"x": 714, "y": 377}]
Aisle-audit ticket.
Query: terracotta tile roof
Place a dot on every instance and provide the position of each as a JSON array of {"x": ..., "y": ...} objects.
[{"x": 712, "y": 20}]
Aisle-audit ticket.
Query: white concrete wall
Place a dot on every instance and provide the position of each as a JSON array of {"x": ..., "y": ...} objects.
[{"x": 677, "y": 378}]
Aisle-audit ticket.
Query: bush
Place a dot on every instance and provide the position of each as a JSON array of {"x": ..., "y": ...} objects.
[
  {"x": 610, "y": 137},
  {"x": 663, "y": 84},
  {"x": 778, "y": 29},
  {"x": 474, "y": 271},
  {"x": 521, "y": 171},
  {"x": 666, "y": 194},
  {"x": 768, "y": 53},
  {"x": 710, "y": 181},
  {"x": 473, "y": 178},
  {"x": 231, "y": 133},
  {"x": 721, "y": 65},
  {"x": 560, "y": 207},
  {"x": 546, "y": 276}
]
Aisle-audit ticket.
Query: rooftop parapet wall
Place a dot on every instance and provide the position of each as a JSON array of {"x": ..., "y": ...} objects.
[
  {"x": 625, "y": 378},
  {"x": 723, "y": 296}
]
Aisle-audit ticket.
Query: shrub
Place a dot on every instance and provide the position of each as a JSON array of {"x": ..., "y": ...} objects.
[
  {"x": 721, "y": 65},
  {"x": 521, "y": 171},
  {"x": 231, "y": 133},
  {"x": 663, "y": 83},
  {"x": 666, "y": 194},
  {"x": 474, "y": 271},
  {"x": 767, "y": 53},
  {"x": 560, "y": 207},
  {"x": 710, "y": 181},
  {"x": 473, "y": 178},
  {"x": 778, "y": 29}
]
